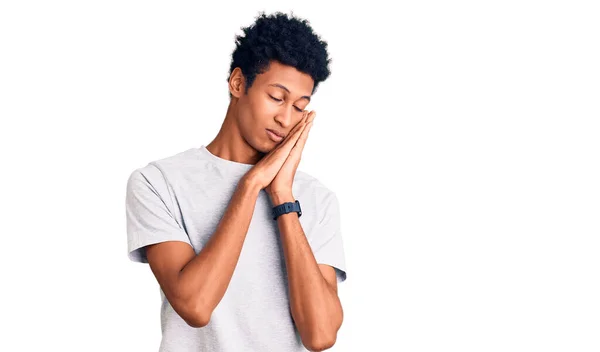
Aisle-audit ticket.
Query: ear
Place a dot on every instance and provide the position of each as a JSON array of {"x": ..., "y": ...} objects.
[{"x": 237, "y": 83}]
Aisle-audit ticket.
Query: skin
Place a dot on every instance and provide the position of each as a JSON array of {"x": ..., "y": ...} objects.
[
  {"x": 242, "y": 137},
  {"x": 195, "y": 284}
]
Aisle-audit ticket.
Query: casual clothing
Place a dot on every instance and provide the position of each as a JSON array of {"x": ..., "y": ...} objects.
[{"x": 183, "y": 198}]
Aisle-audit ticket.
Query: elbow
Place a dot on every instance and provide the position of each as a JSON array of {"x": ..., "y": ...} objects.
[
  {"x": 198, "y": 320},
  {"x": 320, "y": 343},
  {"x": 195, "y": 314},
  {"x": 316, "y": 339},
  {"x": 199, "y": 316},
  {"x": 186, "y": 300},
  {"x": 320, "y": 339}
]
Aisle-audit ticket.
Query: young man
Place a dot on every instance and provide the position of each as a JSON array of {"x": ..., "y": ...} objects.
[{"x": 235, "y": 274}]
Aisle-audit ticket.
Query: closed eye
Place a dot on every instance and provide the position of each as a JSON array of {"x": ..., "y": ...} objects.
[{"x": 297, "y": 109}]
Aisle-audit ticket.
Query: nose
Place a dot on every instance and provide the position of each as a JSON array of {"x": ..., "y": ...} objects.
[{"x": 284, "y": 116}]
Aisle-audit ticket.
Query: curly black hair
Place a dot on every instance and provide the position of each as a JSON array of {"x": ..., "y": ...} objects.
[{"x": 287, "y": 39}]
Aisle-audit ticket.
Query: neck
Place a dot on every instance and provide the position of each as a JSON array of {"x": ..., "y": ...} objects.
[{"x": 229, "y": 143}]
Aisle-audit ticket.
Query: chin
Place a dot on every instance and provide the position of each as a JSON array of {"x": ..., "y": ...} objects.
[
  {"x": 262, "y": 146},
  {"x": 266, "y": 148}
]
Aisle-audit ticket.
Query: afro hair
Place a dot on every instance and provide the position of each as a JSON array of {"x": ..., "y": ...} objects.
[{"x": 286, "y": 39}]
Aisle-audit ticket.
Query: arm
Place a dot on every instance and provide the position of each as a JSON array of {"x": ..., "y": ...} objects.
[
  {"x": 195, "y": 284},
  {"x": 314, "y": 302}
]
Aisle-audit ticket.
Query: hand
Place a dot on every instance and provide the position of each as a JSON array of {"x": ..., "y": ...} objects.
[
  {"x": 267, "y": 167},
  {"x": 282, "y": 183}
]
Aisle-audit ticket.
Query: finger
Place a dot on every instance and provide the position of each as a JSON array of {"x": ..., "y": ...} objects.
[
  {"x": 282, "y": 150},
  {"x": 291, "y": 134},
  {"x": 299, "y": 147},
  {"x": 289, "y": 144},
  {"x": 305, "y": 114},
  {"x": 301, "y": 123},
  {"x": 305, "y": 117},
  {"x": 298, "y": 126},
  {"x": 292, "y": 137},
  {"x": 297, "y": 130}
]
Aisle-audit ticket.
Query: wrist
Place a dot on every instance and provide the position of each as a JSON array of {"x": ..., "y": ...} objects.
[
  {"x": 278, "y": 198},
  {"x": 248, "y": 185}
]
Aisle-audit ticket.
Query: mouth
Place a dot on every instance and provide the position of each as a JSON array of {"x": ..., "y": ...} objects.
[{"x": 274, "y": 136}]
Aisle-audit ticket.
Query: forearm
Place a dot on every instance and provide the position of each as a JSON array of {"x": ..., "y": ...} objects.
[
  {"x": 208, "y": 274},
  {"x": 314, "y": 304}
]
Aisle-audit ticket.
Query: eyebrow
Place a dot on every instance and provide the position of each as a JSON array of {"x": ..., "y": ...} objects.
[{"x": 287, "y": 90}]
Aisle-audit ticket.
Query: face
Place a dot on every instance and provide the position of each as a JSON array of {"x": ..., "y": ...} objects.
[{"x": 276, "y": 101}]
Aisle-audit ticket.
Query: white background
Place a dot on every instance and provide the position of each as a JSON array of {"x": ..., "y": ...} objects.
[{"x": 462, "y": 139}]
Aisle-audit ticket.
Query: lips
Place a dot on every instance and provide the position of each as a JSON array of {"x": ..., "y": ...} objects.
[
  {"x": 276, "y": 133},
  {"x": 274, "y": 136}
]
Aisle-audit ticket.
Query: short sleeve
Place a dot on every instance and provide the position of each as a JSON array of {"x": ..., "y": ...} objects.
[
  {"x": 148, "y": 218},
  {"x": 326, "y": 238}
]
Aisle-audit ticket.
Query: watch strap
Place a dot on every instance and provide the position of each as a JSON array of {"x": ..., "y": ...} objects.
[{"x": 285, "y": 208}]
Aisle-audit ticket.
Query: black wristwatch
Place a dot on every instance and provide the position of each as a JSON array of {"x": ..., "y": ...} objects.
[{"x": 286, "y": 208}]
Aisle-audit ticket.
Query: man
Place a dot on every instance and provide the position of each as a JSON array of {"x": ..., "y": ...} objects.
[{"x": 235, "y": 274}]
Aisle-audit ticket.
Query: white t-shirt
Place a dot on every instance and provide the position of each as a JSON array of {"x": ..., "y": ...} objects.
[{"x": 182, "y": 198}]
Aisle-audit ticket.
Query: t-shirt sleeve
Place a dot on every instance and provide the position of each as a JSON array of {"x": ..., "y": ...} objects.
[
  {"x": 326, "y": 238},
  {"x": 148, "y": 218}
]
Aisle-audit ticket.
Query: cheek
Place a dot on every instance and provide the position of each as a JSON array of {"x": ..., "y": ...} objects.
[
  {"x": 253, "y": 118},
  {"x": 262, "y": 107},
  {"x": 262, "y": 112}
]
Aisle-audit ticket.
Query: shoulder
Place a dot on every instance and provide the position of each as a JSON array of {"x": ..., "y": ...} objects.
[
  {"x": 157, "y": 169},
  {"x": 156, "y": 172}
]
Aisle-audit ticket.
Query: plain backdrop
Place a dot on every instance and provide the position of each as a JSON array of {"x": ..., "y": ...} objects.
[{"x": 462, "y": 139}]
